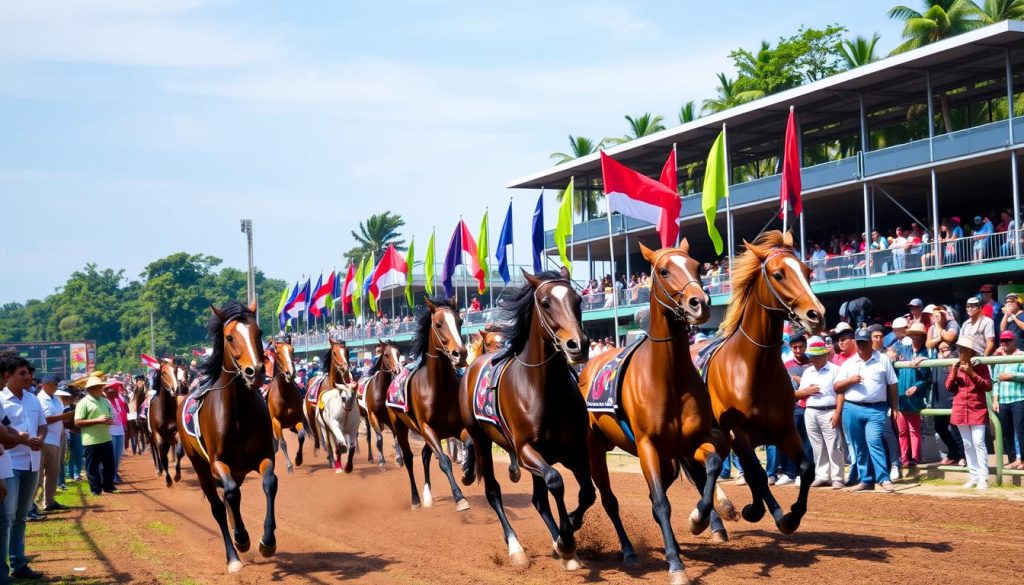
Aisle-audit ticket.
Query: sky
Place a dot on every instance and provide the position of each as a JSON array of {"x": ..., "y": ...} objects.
[{"x": 133, "y": 130}]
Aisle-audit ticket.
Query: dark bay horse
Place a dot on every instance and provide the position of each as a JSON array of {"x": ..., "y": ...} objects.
[
  {"x": 138, "y": 426},
  {"x": 376, "y": 384},
  {"x": 287, "y": 408},
  {"x": 539, "y": 407},
  {"x": 235, "y": 434},
  {"x": 433, "y": 400},
  {"x": 169, "y": 382},
  {"x": 751, "y": 392},
  {"x": 336, "y": 372},
  {"x": 664, "y": 404}
]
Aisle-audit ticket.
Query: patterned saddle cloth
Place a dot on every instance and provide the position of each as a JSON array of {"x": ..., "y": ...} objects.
[
  {"x": 485, "y": 396},
  {"x": 705, "y": 355},
  {"x": 144, "y": 409},
  {"x": 606, "y": 387},
  {"x": 190, "y": 421},
  {"x": 398, "y": 391},
  {"x": 314, "y": 389}
]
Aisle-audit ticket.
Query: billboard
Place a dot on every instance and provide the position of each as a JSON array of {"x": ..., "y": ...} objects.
[{"x": 67, "y": 359}]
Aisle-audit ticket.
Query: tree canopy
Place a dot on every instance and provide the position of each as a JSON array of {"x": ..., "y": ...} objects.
[{"x": 375, "y": 235}]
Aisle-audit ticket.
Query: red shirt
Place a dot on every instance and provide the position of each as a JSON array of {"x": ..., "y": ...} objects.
[{"x": 969, "y": 406}]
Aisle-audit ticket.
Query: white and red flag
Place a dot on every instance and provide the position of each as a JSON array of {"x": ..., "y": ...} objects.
[{"x": 638, "y": 196}]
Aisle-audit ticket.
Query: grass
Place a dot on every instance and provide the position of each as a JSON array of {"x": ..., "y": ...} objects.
[
  {"x": 172, "y": 579},
  {"x": 161, "y": 528}
]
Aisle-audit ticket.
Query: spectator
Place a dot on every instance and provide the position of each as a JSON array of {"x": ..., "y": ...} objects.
[
  {"x": 1013, "y": 319},
  {"x": 475, "y": 305},
  {"x": 823, "y": 417},
  {"x": 990, "y": 307},
  {"x": 868, "y": 383},
  {"x": 846, "y": 346},
  {"x": 916, "y": 314},
  {"x": 25, "y": 416},
  {"x": 877, "y": 337},
  {"x": 943, "y": 328},
  {"x": 978, "y": 328},
  {"x": 1008, "y": 398},
  {"x": 941, "y": 398},
  {"x": 120, "y": 410},
  {"x": 897, "y": 335},
  {"x": 913, "y": 395},
  {"x": 968, "y": 384},
  {"x": 94, "y": 415},
  {"x": 899, "y": 250},
  {"x": 52, "y": 463},
  {"x": 795, "y": 368},
  {"x": 880, "y": 253},
  {"x": 982, "y": 227}
]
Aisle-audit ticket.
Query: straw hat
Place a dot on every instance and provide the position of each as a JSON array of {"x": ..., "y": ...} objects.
[
  {"x": 966, "y": 342},
  {"x": 94, "y": 379},
  {"x": 917, "y": 328}
]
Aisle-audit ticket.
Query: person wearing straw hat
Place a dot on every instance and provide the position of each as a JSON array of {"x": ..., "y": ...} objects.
[
  {"x": 823, "y": 415},
  {"x": 968, "y": 384},
  {"x": 94, "y": 415},
  {"x": 914, "y": 389}
]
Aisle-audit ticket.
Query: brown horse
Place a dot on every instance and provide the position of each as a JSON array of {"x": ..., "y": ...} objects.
[
  {"x": 538, "y": 405},
  {"x": 235, "y": 436},
  {"x": 287, "y": 408},
  {"x": 336, "y": 373},
  {"x": 138, "y": 427},
  {"x": 751, "y": 392},
  {"x": 487, "y": 340},
  {"x": 378, "y": 379},
  {"x": 664, "y": 412},
  {"x": 168, "y": 384},
  {"x": 433, "y": 399}
]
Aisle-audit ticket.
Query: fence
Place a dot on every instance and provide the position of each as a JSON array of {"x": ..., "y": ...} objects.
[{"x": 997, "y": 439}]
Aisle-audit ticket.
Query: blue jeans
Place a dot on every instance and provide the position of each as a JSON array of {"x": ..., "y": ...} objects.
[
  {"x": 771, "y": 460},
  {"x": 789, "y": 466},
  {"x": 866, "y": 427},
  {"x": 76, "y": 456},
  {"x": 728, "y": 463},
  {"x": 21, "y": 489},
  {"x": 118, "y": 441}
]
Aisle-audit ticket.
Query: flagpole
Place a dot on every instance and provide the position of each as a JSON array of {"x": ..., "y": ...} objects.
[
  {"x": 433, "y": 267},
  {"x": 728, "y": 208},
  {"x": 513, "y": 256},
  {"x": 490, "y": 281},
  {"x": 615, "y": 294},
  {"x": 675, "y": 157}
]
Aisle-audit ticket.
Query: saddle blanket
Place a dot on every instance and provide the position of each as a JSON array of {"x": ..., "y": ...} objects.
[
  {"x": 705, "y": 355},
  {"x": 485, "y": 396},
  {"x": 144, "y": 409},
  {"x": 190, "y": 421},
  {"x": 314, "y": 388},
  {"x": 398, "y": 391},
  {"x": 361, "y": 385},
  {"x": 606, "y": 387}
]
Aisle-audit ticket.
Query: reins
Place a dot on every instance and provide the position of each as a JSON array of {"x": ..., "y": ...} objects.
[{"x": 555, "y": 341}]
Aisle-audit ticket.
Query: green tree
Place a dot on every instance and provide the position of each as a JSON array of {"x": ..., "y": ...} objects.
[
  {"x": 586, "y": 199},
  {"x": 859, "y": 50},
  {"x": 579, "y": 146},
  {"x": 688, "y": 112},
  {"x": 643, "y": 125},
  {"x": 375, "y": 235},
  {"x": 728, "y": 96},
  {"x": 993, "y": 11},
  {"x": 809, "y": 55}
]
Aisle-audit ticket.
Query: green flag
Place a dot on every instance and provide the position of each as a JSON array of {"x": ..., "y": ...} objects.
[
  {"x": 563, "y": 229},
  {"x": 357, "y": 293},
  {"x": 284, "y": 299},
  {"x": 370, "y": 299},
  {"x": 409, "y": 260},
  {"x": 483, "y": 251},
  {"x": 428, "y": 266},
  {"x": 716, "y": 188}
]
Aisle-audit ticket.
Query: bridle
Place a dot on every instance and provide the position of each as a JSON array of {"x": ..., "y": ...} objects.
[
  {"x": 342, "y": 371},
  {"x": 237, "y": 373},
  {"x": 786, "y": 309},
  {"x": 675, "y": 308},
  {"x": 440, "y": 348},
  {"x": 555, "y": 341},
  {"x": 393, "y": 372}
]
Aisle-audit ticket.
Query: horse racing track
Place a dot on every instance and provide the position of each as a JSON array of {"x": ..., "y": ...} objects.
[{"x": 359, "y": 528}]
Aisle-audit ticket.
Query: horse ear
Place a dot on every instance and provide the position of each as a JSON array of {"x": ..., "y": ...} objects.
[
  {"x": 220, "y": 314},
  {"x": 564, "y": 271},
  {"x": 530, "y": 278},
  {"x": 750, "y": 248},
  {"x": 787, "y": 238},
  {"x": 430, "y": 305},
  {"x": 647, "y": 253},
  {"x": 253, "y": 306},
  {"x": 685, "y": 246}
]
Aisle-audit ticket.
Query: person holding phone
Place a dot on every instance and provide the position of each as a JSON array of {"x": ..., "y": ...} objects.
[
  {"x": 93, "y": 416},
  {"x": 968, "y": 384}
]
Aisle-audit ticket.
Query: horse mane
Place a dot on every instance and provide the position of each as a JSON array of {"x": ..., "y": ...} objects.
[
  {"x": 377, "y": 361},
  {"x": 421, "y": 341},
  {"x": 516, "y": 312},
  {"x": 746, "y": 269},
  {"x": 233, "y": 311}
]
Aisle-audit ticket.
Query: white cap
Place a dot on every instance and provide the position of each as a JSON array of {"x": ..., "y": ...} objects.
[
  {"x": 899, "y": 322},
  {"x": 843, "y": 326},
  {"x": 928, "y": 309},
  {"x": 60, "y": 392}
]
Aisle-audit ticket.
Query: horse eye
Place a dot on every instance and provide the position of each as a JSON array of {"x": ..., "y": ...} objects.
[
  {"x": 437, "y": 325},
  {"x": 778, "y": 276},
  {"x": 664, "y": 272},
  {"x": 229, "y": 338},
  {"x": 545, "y": 304}
]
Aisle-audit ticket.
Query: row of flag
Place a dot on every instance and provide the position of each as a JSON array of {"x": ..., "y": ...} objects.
[{"x": 628, "y": 192}]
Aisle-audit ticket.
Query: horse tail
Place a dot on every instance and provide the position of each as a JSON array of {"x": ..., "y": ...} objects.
[{"x": 471, "y": 472}]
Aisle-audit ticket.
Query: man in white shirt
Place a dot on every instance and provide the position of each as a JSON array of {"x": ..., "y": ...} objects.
[
  {"x": 822, "y": 418},
  {"x": 53, "y": 410},
  {"x": 868, "y": 384},
  {"x": 979, "y": 328},
  {"x": 24, "y": 415}
]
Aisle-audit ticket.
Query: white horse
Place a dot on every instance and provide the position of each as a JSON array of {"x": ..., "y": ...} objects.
[{"x": 339, "y": 425}]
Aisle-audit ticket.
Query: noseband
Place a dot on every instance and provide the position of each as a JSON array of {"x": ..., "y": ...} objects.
[
  {"x": 441, "y": 348},
  {"x": 786, "y": 309},
  {"x": 555, "y": 341}
]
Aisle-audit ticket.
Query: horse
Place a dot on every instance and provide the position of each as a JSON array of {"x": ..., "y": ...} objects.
[
  {"x": 375, "y": 389},
  {"x": 336, "y": 372},
  {"x": 751, "y": 392},
  {"x": 664, "y": 410},
  {"x": 432, "y": 404},
  {"x": 486, "y": 340},
  {"x": 167, "y": 383},
  {"x": 538, "y": 406},
  {"x": 234, "y": 433},
  {"x": 339, "y": 422},
  {"x": 287, "y": 408},
  {"x": 138, "y": 426}
]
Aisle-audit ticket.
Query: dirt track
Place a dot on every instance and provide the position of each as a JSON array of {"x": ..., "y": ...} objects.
[{"x": 359, "y": 528}]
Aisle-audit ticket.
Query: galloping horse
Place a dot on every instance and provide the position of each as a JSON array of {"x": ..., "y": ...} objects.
[
  {"x": 287, "y": 409},
  {"x": 432, "y": 404},
  {"x": 663, "y": 414},
  {"x": 138, "y": 425},
  {"x": 375, "y": 390},
  {"x": 751, "y": 393},
  {"x": 225, "y": 427},
  {"x": 336, "y": 372},
  {"x": 538, "y": 417},
  {"x": 487, "y": 340},
  {"x": 169, "y": 382}
]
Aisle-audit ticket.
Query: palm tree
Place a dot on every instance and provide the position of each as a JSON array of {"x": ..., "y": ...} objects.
[
  {"x": 579, "y": 146},
  {"x": 375, "y": 235},
  {"x": 994, "y": 11},
  {"x": 728, "y": 96},
  {"x": 688, "y": 113},
  {"x": 639, "y": 127},
  {"x": 859, "y": 51}
]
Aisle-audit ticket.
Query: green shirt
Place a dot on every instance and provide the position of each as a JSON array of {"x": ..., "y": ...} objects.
[
  {"x": 90, "y": 408},
  {"x": 1013, "y": 390}
]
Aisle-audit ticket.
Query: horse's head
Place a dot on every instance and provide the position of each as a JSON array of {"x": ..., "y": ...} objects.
[
  {"x": 389, "y": 357},
  {"x": 167, "y": 377},
  {"x": 675, "y": 286},
  {"x": 444, "y": 332},
  {"x": 338, "y": 360},
  {"x": 348, "y": 396},
  {"x": 787, "y": 281},
  {"x": 492, "y": 339},
  {"x": 237, "y": 336},
  {"x": 181, "y": 373},
  {"x": 557, "y": 308},
  {"x": 284, "y": 362}
]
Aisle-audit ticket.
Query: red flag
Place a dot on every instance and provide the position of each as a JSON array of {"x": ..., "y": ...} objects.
[
  {"x": 390, "y": 271},
  {"x": 791, "y": 169},
  {"x": 150, "y": 362},
  {"x": 639, "y": 196},
  {"x": 349, "y": 287}
]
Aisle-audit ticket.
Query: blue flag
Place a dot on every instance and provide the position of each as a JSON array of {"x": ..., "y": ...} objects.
[
  {"x": 305, "y": 294},
  {"x": 452, "y": 258},
  {"x": 538, "y": 234},
  {"x": 283, "y": 316},
  {"x": 505, "y": 239}
]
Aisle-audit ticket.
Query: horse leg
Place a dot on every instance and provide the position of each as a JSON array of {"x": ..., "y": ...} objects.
[
  {"x": 705, "y": 478},
  {"x": 209, "y": 487},
  {"x": 154, "y": 451},
  {"x": 565, "y": 544},
  {"x": 402, "y": 437},
  {"x": 469, "y": 463},
  {"x": 179, "y": 454},
  {"x": 268, "y": 542},
  {"x": 280, "y": 442},
  {"x": 369, "y": 441},
  {"x": 165, "y": 465},
  {"x": 428, "y": 497},
  {"x": 375, "y": 424},
  {"x": 399, "y": 453},
  {"x": 300, "y": 428},
  {"x": 445, "y": 462},
  {"x": 659, "y": 474},
  {"x": 233, "y": 504},
  {"x": 718, "y": 531},
  {"x": 597, "y": 449},
  {"x": 580, "y": 468},
  {"x": 325, "y": 439},
  {"x": 542, "y": 504},
  {"x": 793, "y": 447},
  {"x": 757, "y": 480},
  {"x": 353, "y": 440},
  {"x": 314, "y": 428},
  {"x": 492, "y": 490}
]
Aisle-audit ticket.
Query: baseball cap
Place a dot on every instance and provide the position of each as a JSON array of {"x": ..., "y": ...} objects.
[
  {"x": 973, "y": 301},
  {"x": 876, "y": 328},
  {"x": 816, "y": 346},
  {"x": 862, "y": 335},
  {"x": 915, "y": 303},
  {"x": 977, "y": 218},
  {"x": 62, "y": 392},
  {"x": 899, "y": 323},
  {"x": 986, "y": 288},
  {"x": 1007, "y": 336},
  {"x": 928, "y": 309},
  {"x": 1012, "y": 297},
  {"x": 50, "y": 379},
  {"x": 842, "y": 327}
]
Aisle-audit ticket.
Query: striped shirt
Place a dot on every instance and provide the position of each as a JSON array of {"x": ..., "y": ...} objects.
[{"x": 1012, "y": 391}]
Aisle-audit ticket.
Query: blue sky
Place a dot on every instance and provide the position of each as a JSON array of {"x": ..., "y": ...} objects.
[{"x": 132, "y": 130}]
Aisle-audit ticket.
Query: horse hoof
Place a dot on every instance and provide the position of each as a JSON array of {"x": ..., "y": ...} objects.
[
  {"x": 678, "y": 578},
  {"x": 243, "y": 546},
  {"x": 572, "y": 564},
  {"x": 462, "y": 505},
  {"x": 698, "y": 524},
  {"x": 414, "y": 507},
  {"x": 177, "y": 477},
  {"x": 630, "y": 560},
  {"x": 752, "y": 514},
  {"x": 519, "y": 559},
  {"x": 789, "y": 523},
  {"x": 719, "y": 537},
  {"x": 267, "y": 551},
  {"x": 428, "y": 498},
  {"x": 234, "y": 566},
  {"x": 514, "y": 474},
  {"x": 289, "y": 469},
  {"x": 727, "y": 511},
  {"x": 348, "y": 468},
  {"x": 168, "y": 482},
  {"x": 468, "y": 479},
  {"x": 337, "y": 470}
]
